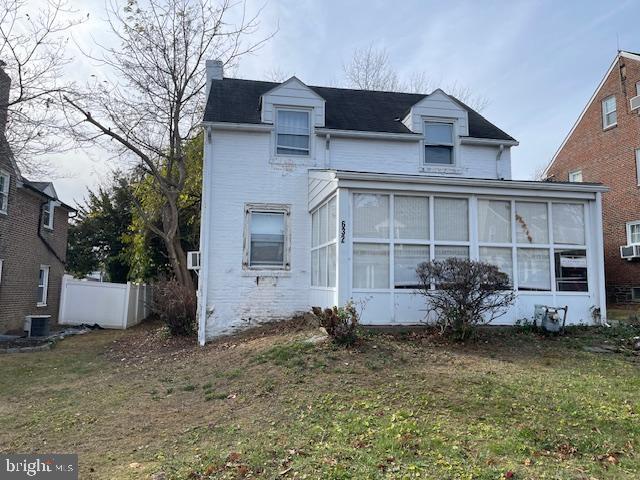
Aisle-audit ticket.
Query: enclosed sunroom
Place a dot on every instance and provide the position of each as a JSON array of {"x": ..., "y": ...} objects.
[{"x": 369, "y": 231}]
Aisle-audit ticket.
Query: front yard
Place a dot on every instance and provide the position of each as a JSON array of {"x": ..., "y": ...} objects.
[{"x": 268, "y": 405}]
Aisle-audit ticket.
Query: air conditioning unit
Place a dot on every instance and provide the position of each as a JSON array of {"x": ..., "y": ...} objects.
[
  {"x": 193, "y": 260},
  {"x": 635, "y": 102},
  {"x": 630, "y": 251}
]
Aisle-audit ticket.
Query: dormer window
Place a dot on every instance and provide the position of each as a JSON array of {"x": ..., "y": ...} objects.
[
  {"x": 293, "y": 129},
  {"x": 47, "y": 215},
  {"x": 438, "y": 143},
  {"x": 4, "y": 191}
]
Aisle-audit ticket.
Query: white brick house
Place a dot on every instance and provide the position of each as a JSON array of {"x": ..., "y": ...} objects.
[{"x": 315, "y": 195}]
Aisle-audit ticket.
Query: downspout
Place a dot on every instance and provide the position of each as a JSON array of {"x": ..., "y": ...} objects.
[
  {"x": 498, "y": 157},
  {"x": 44, "y": 240},
  {"x": 205, "y": 240},
  {"x": 327, "y": 150}
]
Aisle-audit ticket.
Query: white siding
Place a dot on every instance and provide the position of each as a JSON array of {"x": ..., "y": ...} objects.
[
  {"x": 293, "y": 93},
  {"x": 437, "y": 105},
  {"x": 242, "y": 173}
]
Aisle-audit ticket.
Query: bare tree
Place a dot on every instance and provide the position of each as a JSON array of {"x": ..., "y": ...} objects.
[
  {"x": 33, "y": 41},
  {"x": 371, "y": 68},
  {"x": 151, "y": 101},
  {"x": 276, "y": 74}
]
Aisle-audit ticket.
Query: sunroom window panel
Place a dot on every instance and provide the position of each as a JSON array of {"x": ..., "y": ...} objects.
[
  {"x": 571, "y": 271},
  {"x": 315, "y": 269},
  {"x": 315, "y": 229},
  {"x": 451, "y": 218},
  {"x": 494, "y": 221},
  {"x": 532, "y": 222},
  {"x": 442, "y": 252},
  {"x": 500, "y": 257},
  {"x": 533, "y": 269},
  {"x": 370, "y": 215},
  {"x": 568, "y": 223},
  {"x": 411, "y": 217},
  {"x": 323, "y": 224},
  {"x": 333, "y": 217},
  {"x": 267, "y": 239},
  {"x": 407, "y": 258},
  {"x": 322, "y": 267},
  {"x": 370, "y": 265},
  {"x": 331, "y": 265}
]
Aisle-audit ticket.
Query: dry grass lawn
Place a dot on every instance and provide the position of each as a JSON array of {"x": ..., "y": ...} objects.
[{"x": 511, "y": 404}]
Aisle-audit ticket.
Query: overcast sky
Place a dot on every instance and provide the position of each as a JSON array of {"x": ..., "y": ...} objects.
[{"x": 537, "y": 62}]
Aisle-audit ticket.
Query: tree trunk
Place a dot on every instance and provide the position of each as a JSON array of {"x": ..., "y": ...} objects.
[{"x": 171, "y": 238}]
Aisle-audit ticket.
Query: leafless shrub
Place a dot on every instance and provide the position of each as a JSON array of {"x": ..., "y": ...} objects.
[
  {"x": 462, "y": 293},
  {"x": 339, "y": 322},
  {"x": 176, "y": 305}
]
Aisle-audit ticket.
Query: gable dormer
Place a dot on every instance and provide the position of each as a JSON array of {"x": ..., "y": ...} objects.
[
  {"x": 438, "y": 105},
  {"x": 293, "y": 94}
]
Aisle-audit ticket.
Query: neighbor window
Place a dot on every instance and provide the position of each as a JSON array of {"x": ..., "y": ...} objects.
[
  {"x": 575, "y": 176},
  {"x": 4, "y": 191},
  {"x": 292, "y": 132},
  {"x": 439, "y": 143},
  {"x": 633, "y": 233},
  {"x": 609, "y": 116},
  {"x": 266, "y": 237},
  {"x": 638, "y": 88},
  {"x": 47, "y": 215},
  {"x": 638, "y": 166},
  {"x": 1, "y": 265},
  {"x": 43, "y": 285},
  {"x": 635, "y": 294},
  {"x": 324, "y": 229}
]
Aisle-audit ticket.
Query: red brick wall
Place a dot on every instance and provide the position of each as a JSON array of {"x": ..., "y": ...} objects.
[{"x": 608, "y": 156}]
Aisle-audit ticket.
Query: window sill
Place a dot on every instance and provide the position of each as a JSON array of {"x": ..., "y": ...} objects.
[
  {"x": 609, "y": 127},
  {"x": 445, "y": 169},
  {"x": 4, "y": 212},
  {"x": 265, "y": 272},
  {"x": 41, "y": 305},
  {"x": 47, "y": 227}
]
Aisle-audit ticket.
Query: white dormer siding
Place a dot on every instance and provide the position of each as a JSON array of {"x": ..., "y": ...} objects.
[
  {"x": 437, "y": 105},
  {"x": 292, "y": 93}
]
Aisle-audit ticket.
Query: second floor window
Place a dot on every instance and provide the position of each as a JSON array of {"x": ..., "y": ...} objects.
[
  {"x": 47, "y": 215},
  {"x": 438, "y": 143},
  {"x": 633, "y": 233},
  {"x": 609, "y": 116},
  {"x": 292, "y": 132},
  {"x": 4, "y": 191}
]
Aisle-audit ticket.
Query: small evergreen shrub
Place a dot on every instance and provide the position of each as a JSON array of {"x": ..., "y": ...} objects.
[
  {"x": 176, "y": 307},
  {"x": 339, "y": 322}
]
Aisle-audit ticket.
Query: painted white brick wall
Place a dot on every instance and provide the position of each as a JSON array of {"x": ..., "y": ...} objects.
[{"x": 244, "y": 171}]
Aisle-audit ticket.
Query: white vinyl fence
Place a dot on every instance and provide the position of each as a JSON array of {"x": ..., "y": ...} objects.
[{"x": 110, "y": 305}]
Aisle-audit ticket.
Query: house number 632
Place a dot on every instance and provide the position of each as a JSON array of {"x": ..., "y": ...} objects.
[{"x": 343, "y": 231}]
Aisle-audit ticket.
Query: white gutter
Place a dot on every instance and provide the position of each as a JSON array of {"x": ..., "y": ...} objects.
[
  {"x": 412, "y": 137},
  {"x": 245, "y": 127},
  {"x": 488, "y": 141},
  {"x": 470, "y": 182}
]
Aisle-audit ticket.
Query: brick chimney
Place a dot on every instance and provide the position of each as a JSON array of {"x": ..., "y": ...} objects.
[
  {"x": 5, "y": 83},
  {"x": 215, "y": 71}
]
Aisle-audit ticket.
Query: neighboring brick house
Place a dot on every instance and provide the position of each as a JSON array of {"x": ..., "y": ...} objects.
[
  {"x": 33, "y": 239},
  {"x": 604, "y": 146}
]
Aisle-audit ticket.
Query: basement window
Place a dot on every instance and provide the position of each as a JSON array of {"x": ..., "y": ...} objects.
[
  {"x": 266, "y": 244},
  {"x": 609, "y": 115}
]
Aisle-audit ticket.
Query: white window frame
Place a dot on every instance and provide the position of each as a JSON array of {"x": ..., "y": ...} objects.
[
  {"x": 309, "y": 112},
  {"x": 453, "y": 145},
  {"x": 42, "y": 302},
  {"x": 606, "y": 112},
  {"x": 628, "y": 228},
  {"x": 324, "y": 283},
  {"x": 575, "y": 176},
  {"x": 1, "y": 265},
  {"x": 50, "y": 206},
  {"x": 267, "y": 208},
  {"x": 638, "y": 166},
  {"x": 634, "y": 297},
  {"x": 4, "y": 208},
  {"x": 638, "y": 88}
]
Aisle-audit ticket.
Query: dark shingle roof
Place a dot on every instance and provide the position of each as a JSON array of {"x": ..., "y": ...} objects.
[{"x": 234, "y": 100}]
